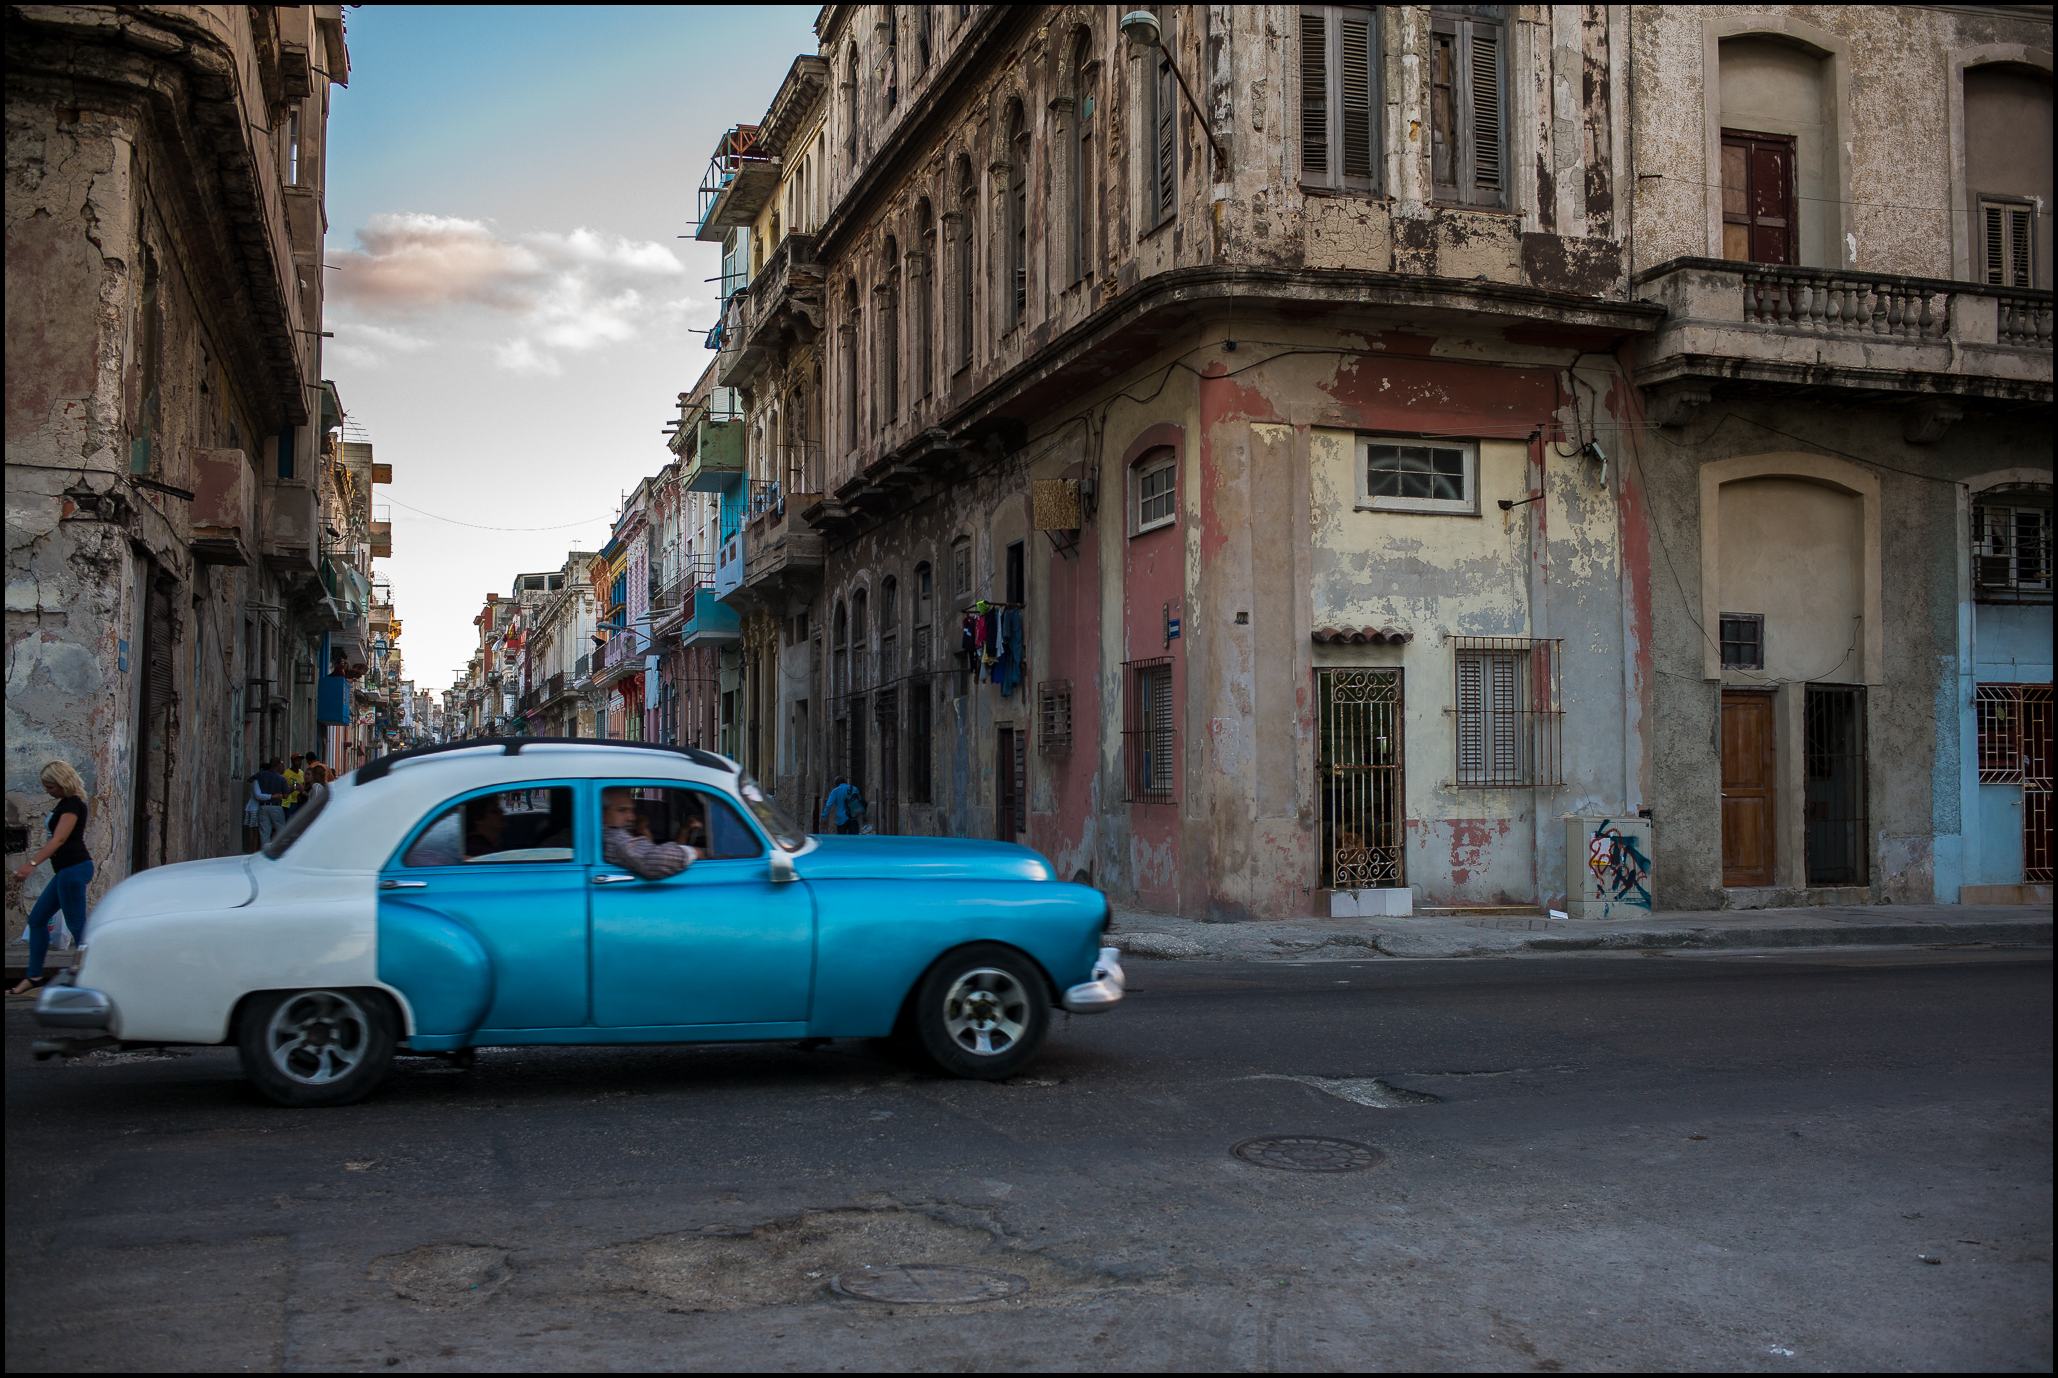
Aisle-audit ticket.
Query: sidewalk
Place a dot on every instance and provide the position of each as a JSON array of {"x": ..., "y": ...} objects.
[
  {"x": 1139, "y": 933},
  {"x": 1142, "y": 934}
]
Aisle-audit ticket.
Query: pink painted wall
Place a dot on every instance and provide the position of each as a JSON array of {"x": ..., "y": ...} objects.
[{"x": 1154, "y": 575}]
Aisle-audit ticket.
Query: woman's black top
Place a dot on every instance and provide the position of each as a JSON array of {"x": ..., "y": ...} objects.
[{"x": 73, "y": 850}]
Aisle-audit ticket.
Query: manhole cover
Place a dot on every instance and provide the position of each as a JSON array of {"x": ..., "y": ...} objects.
[
  {"x": 934, "y": 1283},
  {"x": 1307, "y": 1153}
]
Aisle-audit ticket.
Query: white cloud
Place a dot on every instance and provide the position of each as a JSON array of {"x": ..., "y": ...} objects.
[{"x": 565, "y": 292}]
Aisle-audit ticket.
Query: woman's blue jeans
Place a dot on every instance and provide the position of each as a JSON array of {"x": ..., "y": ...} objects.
[{"x": 68, "y": 889}]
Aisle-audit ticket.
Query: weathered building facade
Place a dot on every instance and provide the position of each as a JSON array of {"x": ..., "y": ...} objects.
[
  {"x": 1213, "y": 496},
  {"x": 1847, "y": 455},
  {"x": 167, "y": 589}
]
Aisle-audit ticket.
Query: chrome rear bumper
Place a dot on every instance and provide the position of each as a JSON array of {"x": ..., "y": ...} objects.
[{"x": 1104, "y": 991}]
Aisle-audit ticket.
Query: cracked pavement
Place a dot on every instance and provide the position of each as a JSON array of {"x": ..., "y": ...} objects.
[{"x": 1807, "y": 1160}]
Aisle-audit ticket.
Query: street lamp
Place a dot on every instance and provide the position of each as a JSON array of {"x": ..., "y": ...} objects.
[{"x": 1143, "y": 31}]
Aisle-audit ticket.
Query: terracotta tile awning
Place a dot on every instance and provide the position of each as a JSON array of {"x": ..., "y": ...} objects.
[{"x": 1362, "y": 636}]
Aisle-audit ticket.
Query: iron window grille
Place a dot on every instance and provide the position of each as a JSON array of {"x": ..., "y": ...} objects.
[
  {"x": 2011, "y": 549},
  {"x": 1360, "y": 749},
  {"x": 1054, "y": 716},
  {"x": 1510, "y": 720},
  {"x": 1743, "y": 641},
  {"x": 2015, "y": 731},
  {"x": 1833, "y": 749},
  {"x": 1997, "y": 711},
  {"x": 1148, "y": 737}
]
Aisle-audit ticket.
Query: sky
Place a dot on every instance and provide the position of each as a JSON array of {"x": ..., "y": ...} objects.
[{"x": 514, "y": 312}]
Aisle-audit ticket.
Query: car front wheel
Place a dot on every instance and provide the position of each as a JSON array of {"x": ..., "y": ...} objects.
[
  {"x": 307, "y": 1048},
  {"x": 982, "y": 1012}
]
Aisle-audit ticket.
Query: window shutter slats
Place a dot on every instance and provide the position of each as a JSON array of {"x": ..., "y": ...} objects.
[
  {"x": 2018, "y": 247},
  {"x": 1314, "y": 97},
  {"x": 1996, "y": 233},
  {"x": 1485, "y": 96},
  {"x": 1502, "y": 717},
  {"x": 1167, "y": 138},
  {"x": 1354, "y": 72},
  {"x": 1471, "y": 755}
]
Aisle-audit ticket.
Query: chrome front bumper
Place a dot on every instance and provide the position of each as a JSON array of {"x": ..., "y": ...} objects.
[
  {"x": 1104, "y": 991},
  {"x": 83, "y": 1018}
]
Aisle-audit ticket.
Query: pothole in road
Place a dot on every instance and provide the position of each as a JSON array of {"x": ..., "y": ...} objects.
[
  {"x": 892, "y": 1255},
  {"x": 1308, "y": 1153},
  {"x": 443, "y": 1276},
  {"x": 1367, "y": 1091}
]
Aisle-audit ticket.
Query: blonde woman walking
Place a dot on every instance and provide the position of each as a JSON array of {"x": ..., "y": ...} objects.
[{"x": 66, "y": 853}]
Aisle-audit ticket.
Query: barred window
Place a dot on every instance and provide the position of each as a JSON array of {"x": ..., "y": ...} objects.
[
  {"x": 2011, "y": 546},
  {"x": 1148, "y": 739},
  {"x": 1509, "y": 722},
  {"x": 1743, "y": 641},
  {"x": 1054, "y": 716}
]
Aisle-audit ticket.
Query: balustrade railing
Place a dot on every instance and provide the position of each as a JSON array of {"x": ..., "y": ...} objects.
[
  {"x": 1833, "y": 303},
  {"x": 2024, "y": 318}
]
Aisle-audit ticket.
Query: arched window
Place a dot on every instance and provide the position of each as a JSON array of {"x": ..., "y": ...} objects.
[
  {"x": 1084, "y": 185},
  {"x": 1017, "y": 283},
  {"x": 839, "y": 644},
  {"x": 924, "y": 607},
  {"x": 889, "y": 22},
  {"x": 922, "y": 282},
  {"x": 860, "y": 640},
  {"x": 889, "y": 629},
  {"x": 962, "y": 269},
  {"x": 923, "y": 40},
  {"x": 888, "y": 343},
  {"x": 850, "y": 111},
  {"x": 850, "y": 367}
]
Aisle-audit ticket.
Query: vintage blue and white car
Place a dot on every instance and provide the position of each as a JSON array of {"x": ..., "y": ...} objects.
[{"x": 463, "y": 896}]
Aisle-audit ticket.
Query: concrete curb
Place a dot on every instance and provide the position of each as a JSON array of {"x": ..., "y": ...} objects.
[{"x": 2032, "y": 934}]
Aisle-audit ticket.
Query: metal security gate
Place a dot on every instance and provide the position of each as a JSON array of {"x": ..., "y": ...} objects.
[
  {"x": 1833, "y": 742},
  {"x": 1358, "y": 767},
  {"x": 2036, "y": 783}
]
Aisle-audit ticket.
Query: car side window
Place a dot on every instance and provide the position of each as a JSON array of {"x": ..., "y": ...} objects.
[
  {"x": 507, "y": 827},
  {"x": 695, "y": 817}
]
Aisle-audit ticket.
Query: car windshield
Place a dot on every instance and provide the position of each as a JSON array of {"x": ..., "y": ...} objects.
[
  {"x": 774, "y": 819},
  {"x": 316, "y": 797}
]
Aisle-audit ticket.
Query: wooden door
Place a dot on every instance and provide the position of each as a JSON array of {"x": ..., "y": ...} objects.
[
  {"x": 1748, "y": 813},
  {"x": 1005, "y": 823},
  {"x": 1758, "y": 217}
]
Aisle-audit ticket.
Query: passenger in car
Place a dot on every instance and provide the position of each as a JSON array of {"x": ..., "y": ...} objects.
[
  {"x": 484, "y": 827},
  {"x": 623, "y": 846}
]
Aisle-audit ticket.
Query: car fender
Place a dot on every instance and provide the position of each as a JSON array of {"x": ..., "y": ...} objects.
[
  {"x": 441, "y": 964},
  {"x": 177, "y": 978},
  {"x": 876, "y": 938}
]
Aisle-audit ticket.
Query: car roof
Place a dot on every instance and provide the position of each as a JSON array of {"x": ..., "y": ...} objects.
[{"x": 370, "y": 810}]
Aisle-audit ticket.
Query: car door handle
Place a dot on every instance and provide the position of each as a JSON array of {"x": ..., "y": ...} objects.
[
  {"x": 613, "y": 880},
  {"x": 403, "y": 885}
]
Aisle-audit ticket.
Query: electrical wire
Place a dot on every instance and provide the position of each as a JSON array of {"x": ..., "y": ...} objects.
[{"x": 479, "y": 526}]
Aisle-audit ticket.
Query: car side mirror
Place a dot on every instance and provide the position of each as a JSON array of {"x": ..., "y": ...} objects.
[{"x": 782, "y": 867}]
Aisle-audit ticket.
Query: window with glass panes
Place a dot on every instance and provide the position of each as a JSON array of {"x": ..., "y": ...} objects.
[
  {"x": 1156, "y": 491},
  {"x": 1420, "y": 476}
]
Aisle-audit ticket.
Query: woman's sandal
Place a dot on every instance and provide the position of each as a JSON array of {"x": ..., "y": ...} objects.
[{"x": 30, "y": 985}]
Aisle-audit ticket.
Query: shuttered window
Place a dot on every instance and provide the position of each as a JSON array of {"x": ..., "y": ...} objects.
[
  {"x": 1489, "y": 706},
  {"x": 1162, "y": 107},
  {"x": 1339, "y": 97},
  {"x": 1468, "y": 105},
  {"x": 1148, "y": 738},
  {"x": 2007, "y": 238}
]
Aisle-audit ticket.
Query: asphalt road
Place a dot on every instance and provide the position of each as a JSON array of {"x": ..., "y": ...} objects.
[{"x": 1803, "y": 1161}]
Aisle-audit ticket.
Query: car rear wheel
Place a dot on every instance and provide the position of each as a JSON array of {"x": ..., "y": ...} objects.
[
  {"x": 307, "y": 1048},
  {"x": 982, "y": 1012}
]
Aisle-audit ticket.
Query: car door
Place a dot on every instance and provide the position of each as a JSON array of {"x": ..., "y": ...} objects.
[
  {"x": 459, "y": 894},
  {"x": 720, "y": 942}
]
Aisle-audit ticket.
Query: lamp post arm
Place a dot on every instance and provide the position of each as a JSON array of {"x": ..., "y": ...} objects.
[{"x": 1172, "y": 61}]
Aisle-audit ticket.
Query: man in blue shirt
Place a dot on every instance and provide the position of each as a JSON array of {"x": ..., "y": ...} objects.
[
  {"x": 844, "y": 805},
  {"x": 270, "y": 793}
]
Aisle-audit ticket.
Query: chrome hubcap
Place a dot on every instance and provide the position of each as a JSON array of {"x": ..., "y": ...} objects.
[
  {"x": 318, "y": 1036},
  {"x": 986, "y": 1012}
]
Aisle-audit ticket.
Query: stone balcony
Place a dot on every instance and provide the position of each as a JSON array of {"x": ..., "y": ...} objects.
[
  {"x": 1934, "y": 345},
  {"x": 785, "y": 305}
]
